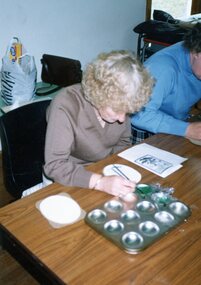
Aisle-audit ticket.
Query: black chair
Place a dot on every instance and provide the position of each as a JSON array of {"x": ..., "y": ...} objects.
[
  {"x": 154, "y": 35},
  {"x": 22, "y": 133}
]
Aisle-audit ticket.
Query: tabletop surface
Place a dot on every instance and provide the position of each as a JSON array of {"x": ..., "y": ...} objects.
[{"x": 79, "y": 255}]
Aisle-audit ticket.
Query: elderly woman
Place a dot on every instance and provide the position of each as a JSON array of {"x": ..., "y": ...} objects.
[{"x": 89, "y": 121}]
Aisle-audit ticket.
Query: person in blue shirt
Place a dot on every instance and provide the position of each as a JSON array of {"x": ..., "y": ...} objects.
[{"x": 177, "y": 73}]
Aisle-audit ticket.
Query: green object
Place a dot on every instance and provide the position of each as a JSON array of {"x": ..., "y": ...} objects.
[{"x": 144, "y": 189}]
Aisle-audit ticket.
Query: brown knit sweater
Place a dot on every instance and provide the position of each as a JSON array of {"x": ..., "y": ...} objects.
[{"x": 75, "y": 138}]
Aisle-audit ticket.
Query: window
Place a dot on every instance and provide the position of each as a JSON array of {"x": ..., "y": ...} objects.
[{"x": 178, "y": 9}]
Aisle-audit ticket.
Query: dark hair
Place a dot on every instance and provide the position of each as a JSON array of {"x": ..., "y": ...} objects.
[{"x": 192, "y": 39}]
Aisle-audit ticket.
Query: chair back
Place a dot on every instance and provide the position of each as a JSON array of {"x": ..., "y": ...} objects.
[{"x": 22, "y": 133}]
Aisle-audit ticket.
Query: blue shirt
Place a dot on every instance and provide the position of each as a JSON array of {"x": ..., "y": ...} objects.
[{"x": 176, "y": 90}]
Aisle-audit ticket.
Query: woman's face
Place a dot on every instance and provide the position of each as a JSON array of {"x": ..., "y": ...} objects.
[
  {"x": 109, "y": 116},
  {"x": 196, "y": 64}
]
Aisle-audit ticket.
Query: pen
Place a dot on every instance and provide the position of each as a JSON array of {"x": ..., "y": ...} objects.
[{"x": 119, "y": 172}]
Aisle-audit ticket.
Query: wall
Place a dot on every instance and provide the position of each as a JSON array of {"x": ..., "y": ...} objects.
[{"x": 78, "y": 29}]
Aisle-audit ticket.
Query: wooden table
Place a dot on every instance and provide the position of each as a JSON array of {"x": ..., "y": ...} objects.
[{"x": 78, "y": 255}]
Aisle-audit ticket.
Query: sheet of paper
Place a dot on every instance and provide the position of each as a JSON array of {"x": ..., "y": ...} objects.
[{"x": 154, "y": 159}]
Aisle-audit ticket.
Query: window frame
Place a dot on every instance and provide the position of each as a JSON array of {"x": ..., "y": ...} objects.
[{"x": 195, "y": 8}]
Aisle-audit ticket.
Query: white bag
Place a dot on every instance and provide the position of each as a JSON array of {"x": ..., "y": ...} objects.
[{"x": 18, "y": 77}]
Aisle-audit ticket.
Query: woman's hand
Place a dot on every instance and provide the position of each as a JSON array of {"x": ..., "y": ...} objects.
[{"x": 114, "y": 185}]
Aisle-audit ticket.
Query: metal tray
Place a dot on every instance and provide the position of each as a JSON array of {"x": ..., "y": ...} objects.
[{"x": 134, "y": 225}]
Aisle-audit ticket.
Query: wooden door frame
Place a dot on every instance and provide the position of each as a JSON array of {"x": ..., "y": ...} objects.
[
  {"x": 148, "y": 9},
  {"x": 196, "y": 7}
]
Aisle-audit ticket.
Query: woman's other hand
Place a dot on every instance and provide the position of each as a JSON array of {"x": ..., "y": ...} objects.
[{"x": 194, "y": 131}]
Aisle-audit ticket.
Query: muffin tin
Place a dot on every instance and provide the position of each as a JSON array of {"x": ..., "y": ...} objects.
[{"x": 136, "y": 224}]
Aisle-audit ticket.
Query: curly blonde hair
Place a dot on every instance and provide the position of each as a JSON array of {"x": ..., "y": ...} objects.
[{"x": 117, "y": 80}]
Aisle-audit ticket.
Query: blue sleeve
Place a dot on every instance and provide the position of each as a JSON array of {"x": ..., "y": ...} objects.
[{"x": 151, "y": 118}]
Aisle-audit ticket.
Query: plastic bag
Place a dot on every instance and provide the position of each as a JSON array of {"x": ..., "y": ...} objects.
[{"x": 18, "y": 74}]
